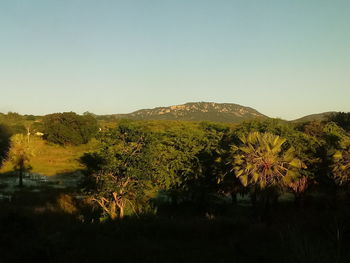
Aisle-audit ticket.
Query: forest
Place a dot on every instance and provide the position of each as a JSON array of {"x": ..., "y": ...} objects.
[{"x": 264, "y": 190}]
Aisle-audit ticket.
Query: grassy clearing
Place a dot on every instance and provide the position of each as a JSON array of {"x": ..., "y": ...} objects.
[{"x": 50, "y": 159}]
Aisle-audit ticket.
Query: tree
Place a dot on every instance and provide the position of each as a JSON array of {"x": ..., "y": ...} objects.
[
  {"x": 333, "y": 140},
  {"x": 114, "y": 193},
  {"x": 342, "y": 119},
  {"x": 341, "y": 166},
  {"x": 298, "y": 188},
  {"x": 20, "y": 155},
  {"x": 308, "y": 147},
  {"x": 69, "y": 128},
  {"x": 334, "y": 135},
  {"x": 120, "y": 171},
  {"x": 260, "y": 161},
  {"x": 5, "y": 142},
  {"x": 214, "y": 161},
  {"x": 311, "y": 128},
  {"x": 177, "y": 160},
  {"x": 178, "y": 151},
  {"x": 13, "y": 116}
]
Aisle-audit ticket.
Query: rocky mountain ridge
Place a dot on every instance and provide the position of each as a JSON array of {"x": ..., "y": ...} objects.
[{"x": 197, "y": 111}]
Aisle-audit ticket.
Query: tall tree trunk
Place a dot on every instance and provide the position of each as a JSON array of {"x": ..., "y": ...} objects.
[
  {"x": 113, "y": 211},
  {"x": 121, "y": 206},
  {"x": 121, "y": 215}
]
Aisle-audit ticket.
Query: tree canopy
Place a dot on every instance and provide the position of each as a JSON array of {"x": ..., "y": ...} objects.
[
  {"x": 5, "y": 142},
  {"x": 69, "y": 128}
]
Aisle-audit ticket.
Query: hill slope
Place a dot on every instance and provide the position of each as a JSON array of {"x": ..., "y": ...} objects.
[
  {"x": 197, "y": 111},
  {"x": 315, "y": 117}
]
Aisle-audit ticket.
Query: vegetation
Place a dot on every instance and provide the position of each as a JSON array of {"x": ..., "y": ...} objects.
[
  {"x": 260, "y": 160},
  {"x": 20, "y": 155},
  {"x": 69, "y": 128},
  {"x": 5, "y": 136},
  {"x": 181, "y": 191},
  {"x": 194, "y": 111},
  {"x": 342, "y": 119},
  {"x": 51, "y": 159},
  {"x": 341, "y": 167}
]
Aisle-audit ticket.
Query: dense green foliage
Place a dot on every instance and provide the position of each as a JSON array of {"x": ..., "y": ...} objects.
[
  {"x": 15, "y": 122},
  {"x": 176, "y": 160},
  {"x": 204, "y": 162},
  {"x": 260, "y": 160},
  {"x": 4, "y": 142},
  {"x": 342, "y": 119},
  {"x": 193, "y": 191},
  {"x": 69, "y": 128},
  {"x": 341, "y": 167}
]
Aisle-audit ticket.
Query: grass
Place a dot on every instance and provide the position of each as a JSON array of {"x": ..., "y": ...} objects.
[{"x": 50, "y": 159}]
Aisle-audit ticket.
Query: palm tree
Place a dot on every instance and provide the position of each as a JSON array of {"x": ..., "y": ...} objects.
[
  {"x": 20, "y": 155},
  {"x": 299, "y": 188},
  {"x": 261, "y": 161}
]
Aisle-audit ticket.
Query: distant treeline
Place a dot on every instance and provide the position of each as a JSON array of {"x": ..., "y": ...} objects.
[{"x": 67, "y": 128}]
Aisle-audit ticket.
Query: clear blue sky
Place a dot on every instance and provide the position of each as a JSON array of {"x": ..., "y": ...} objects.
[{"x": 286, "y": 58}]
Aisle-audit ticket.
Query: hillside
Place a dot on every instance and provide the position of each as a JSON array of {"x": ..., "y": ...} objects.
[
  {"x": 315, "y": 117},
  {"x": 197, "y": 111}
]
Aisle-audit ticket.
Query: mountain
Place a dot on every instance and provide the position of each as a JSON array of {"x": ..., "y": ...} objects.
[
  {"x": 315, "y": 117},
  {"x": 197, "y": 111}
]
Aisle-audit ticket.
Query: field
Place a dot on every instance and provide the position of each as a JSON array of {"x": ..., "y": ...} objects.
[{"x": 50, "y": 159}]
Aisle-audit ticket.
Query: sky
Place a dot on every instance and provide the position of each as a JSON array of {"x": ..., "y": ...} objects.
[{"x": 285, "y": 58}]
